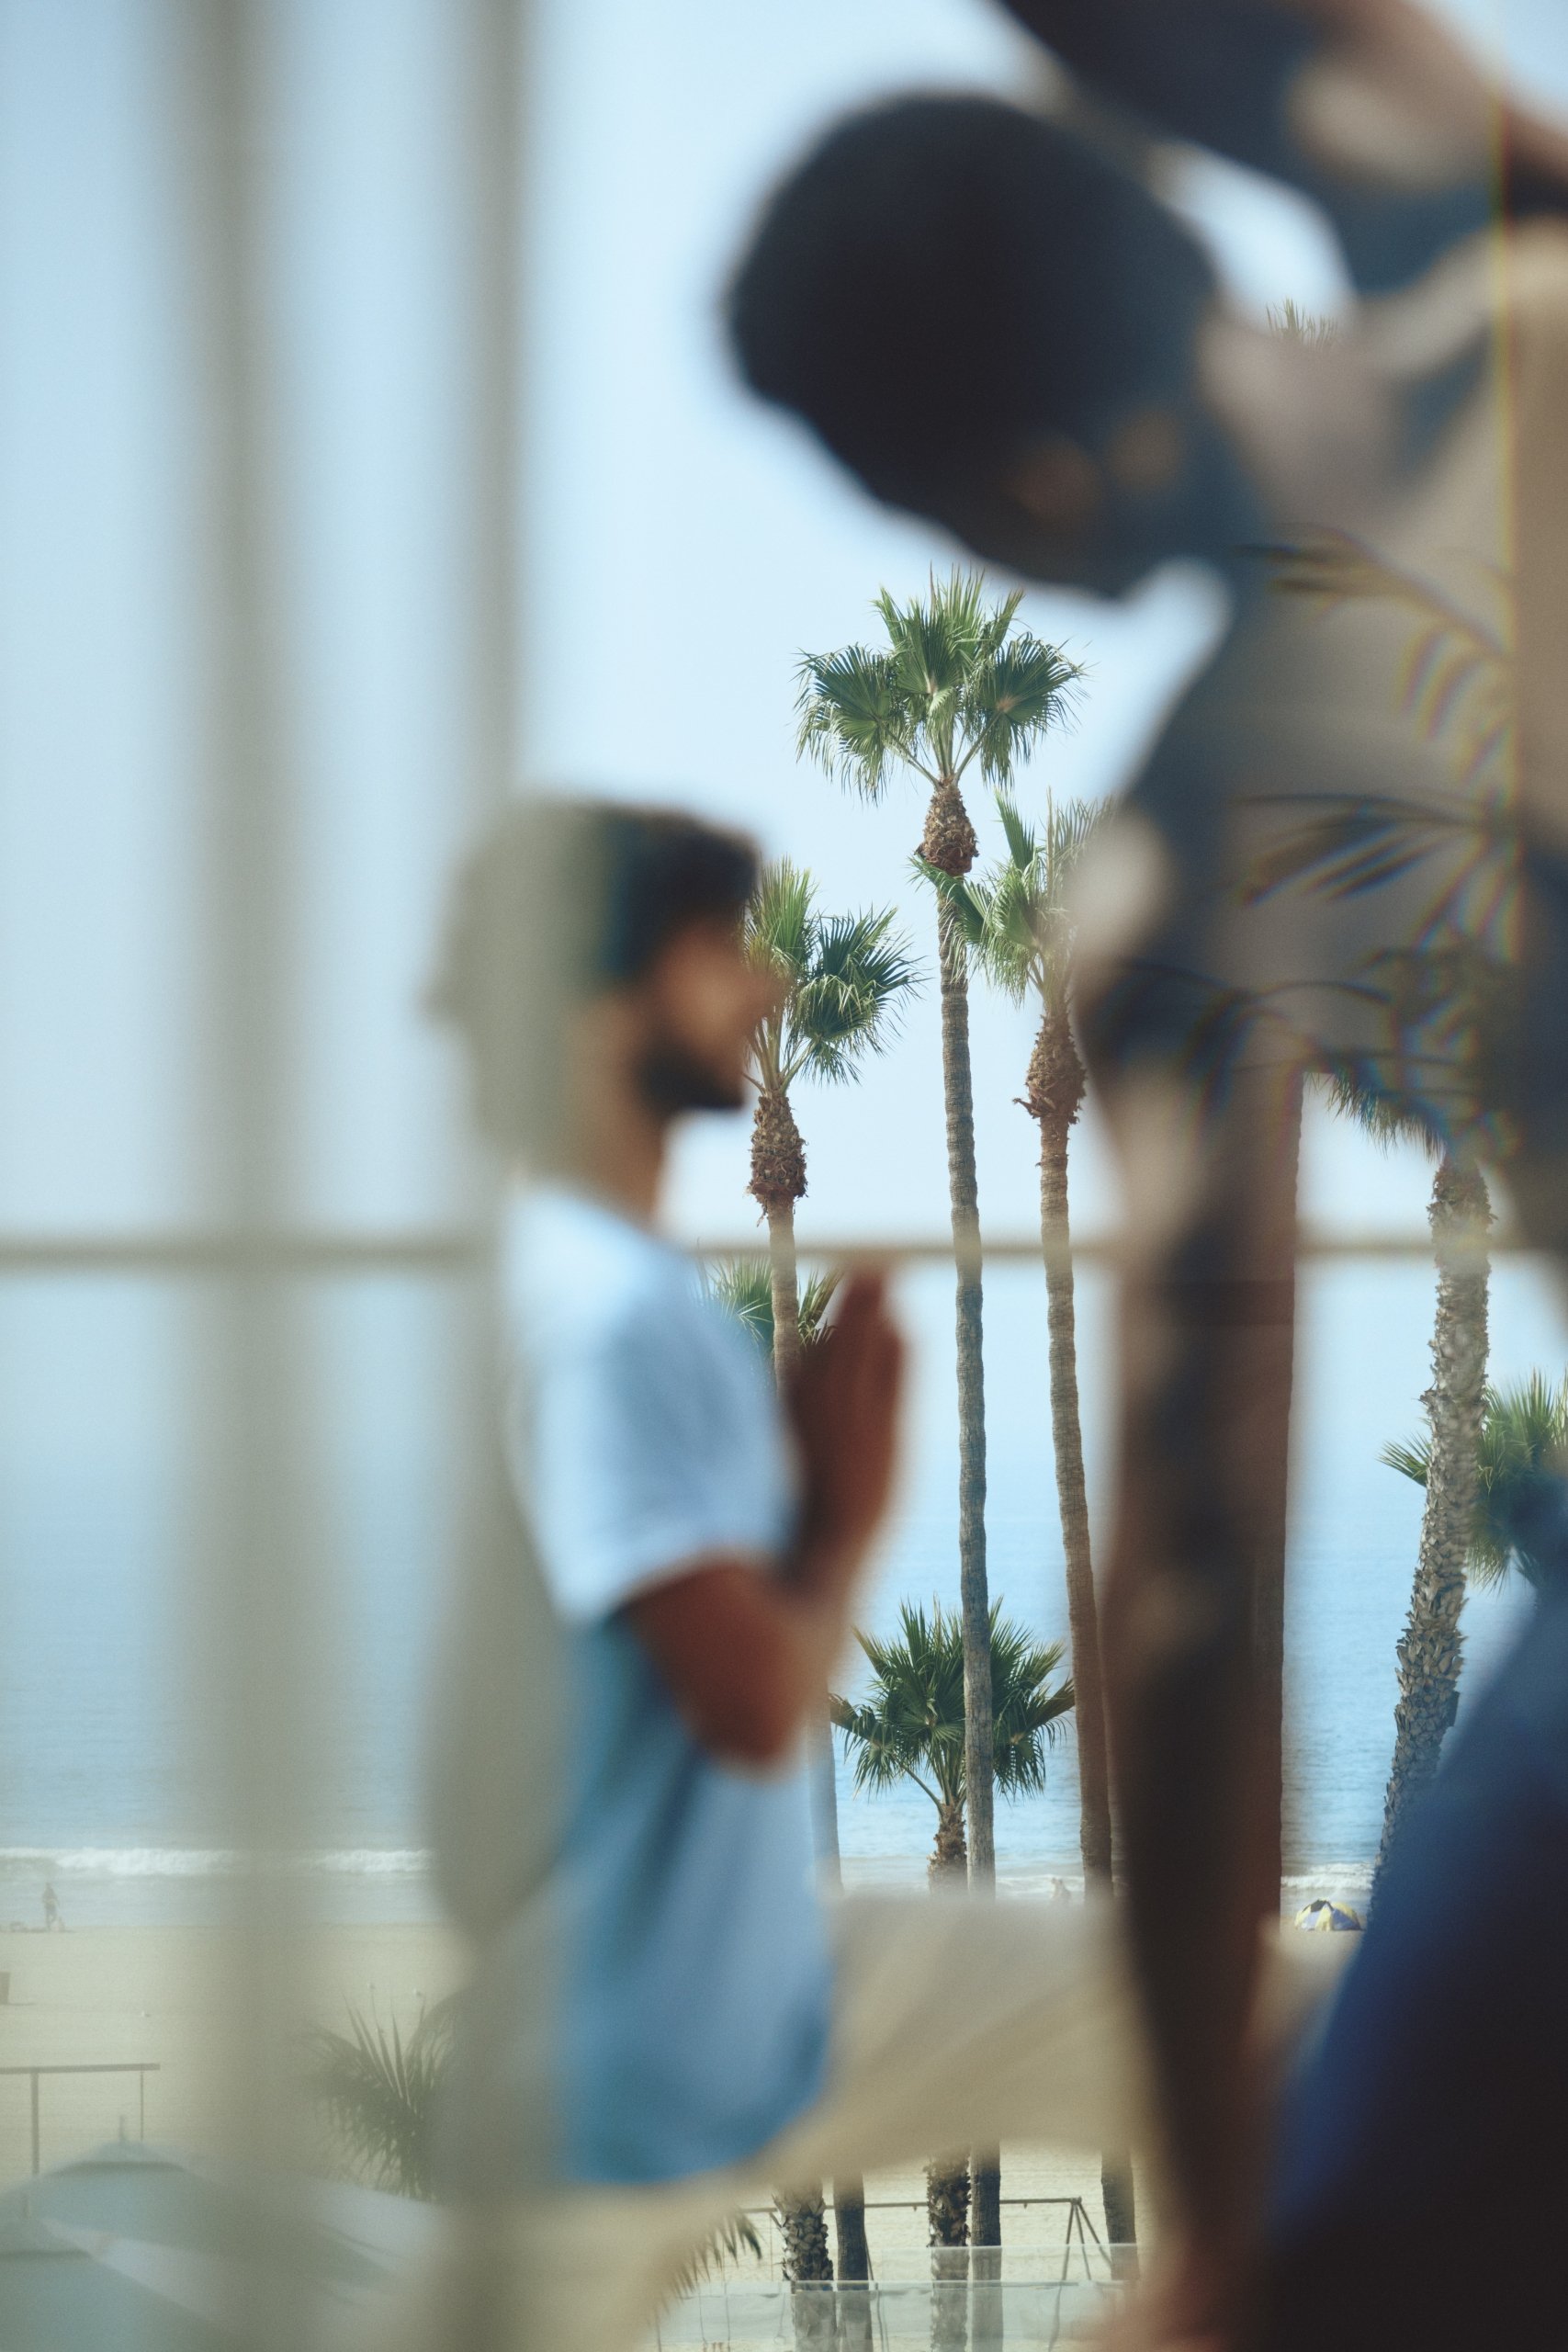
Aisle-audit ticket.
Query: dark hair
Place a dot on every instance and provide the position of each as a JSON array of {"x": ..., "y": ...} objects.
[
  {"x": 559, "y": 899},
  {"x": 943, "y": 278}
]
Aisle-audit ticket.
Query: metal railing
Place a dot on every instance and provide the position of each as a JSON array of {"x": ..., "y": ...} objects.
[{"x": 139, "y": 2067}]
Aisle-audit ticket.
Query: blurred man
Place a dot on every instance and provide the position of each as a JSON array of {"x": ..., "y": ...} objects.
[
  {"x": 665, "y": 2023},
  {"x": 991, "y": 322}
]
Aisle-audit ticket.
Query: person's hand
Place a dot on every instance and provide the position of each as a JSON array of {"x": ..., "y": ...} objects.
[{"x": 844, "y": 1404}]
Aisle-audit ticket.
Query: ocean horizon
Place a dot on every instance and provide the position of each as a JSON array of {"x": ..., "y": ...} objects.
[{"x": 99, "y": 1688}]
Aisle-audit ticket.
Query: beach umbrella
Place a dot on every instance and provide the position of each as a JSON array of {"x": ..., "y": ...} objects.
[
  {"x": 144, "y": 2250},
  {"x": 55, "y": 2296},
  {"x": 1325, "y": 1918}
]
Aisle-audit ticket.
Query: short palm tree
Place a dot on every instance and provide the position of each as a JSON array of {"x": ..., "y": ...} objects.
[
  {"x": 1018, "y": 924},
  {"x": 845, "y": 979},
  {"x": 1431, "y": 1647},
  {"x": 911, "y": 1726},
  {"x": 379, "y": 2092},
  {"x": 1521, "y": 1461},
  {"x": 956, "y": 686}
]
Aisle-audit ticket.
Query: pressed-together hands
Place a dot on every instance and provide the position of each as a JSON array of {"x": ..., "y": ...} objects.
[
  {"x": 746, "y": 1653},
  {"x": 843, "y": 1405}
]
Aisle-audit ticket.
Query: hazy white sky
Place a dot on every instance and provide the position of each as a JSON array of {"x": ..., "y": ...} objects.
[
  {"x": 732, "y": 542},
  {"x": 681, "y": 547}
]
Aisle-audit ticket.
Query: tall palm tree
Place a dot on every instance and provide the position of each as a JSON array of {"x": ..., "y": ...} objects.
[
  {"x": 1521, "y": 1460},
  {"x": 1431, "y": 1647},
  {"x": 911, "y": 1726},
  {"x": 845, "y": 979},
  {"x": 1017, "y": 923},
  {"x": 749, "y": 1290},
  {"x": 955, "y": 685}
]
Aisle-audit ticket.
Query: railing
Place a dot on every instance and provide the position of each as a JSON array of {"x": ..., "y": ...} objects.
[
  {"x": 139, "y": 2067},
  {"x": 1080, "y": 2230}
]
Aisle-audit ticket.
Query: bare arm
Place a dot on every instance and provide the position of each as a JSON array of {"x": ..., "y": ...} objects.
[{"x": 747, "y": 1655}]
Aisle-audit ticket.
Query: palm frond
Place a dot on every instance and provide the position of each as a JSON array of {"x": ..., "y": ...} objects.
[
  {"x": 728, "y": 2240},
  {"x": 379, "y": 2094},
  {"x": 850, "y": 996},
  {"x": 1522, "y": 1504},
  {"x": 910, "y": 1725},
  {"x": 956, "y": 682},
  {"x": 744, "y": 1287},
  {"x": 1293, "y": 324},
  {"x": 780, "y": 928},
  {"x": 855, "y": 720},
  {"x": 1012, "y": 696},
  {"x": 1024, "y": 938}
]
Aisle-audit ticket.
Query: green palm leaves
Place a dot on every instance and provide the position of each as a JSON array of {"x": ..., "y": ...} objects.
[
  {"x": 955, "y": 682},
  {"x": 1017, "y": 922},
  {"x": 379, "y": 2093},
  {"x": 845, "y": 977},
  {"x": 1519, "y": 1462},
  {"x": 911, "y": 1726},
  {"x": 745, "y": 1287}
]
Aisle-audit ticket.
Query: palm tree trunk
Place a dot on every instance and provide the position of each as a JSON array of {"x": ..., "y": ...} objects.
[
  {"x": 1430, "y": 1648},
  {"x": 785, "y": 1289},
  {"x": 948, "y": 2184},
  {"x": 963, "y": 1193},
  {"x": 978, "y": 1736},
  {"x": 1055, "y": 1090},
  {"x": 808, "y": 2267},
  {"x": 1269, "y": 1604},
  {"x": 852, "y": 2251}
]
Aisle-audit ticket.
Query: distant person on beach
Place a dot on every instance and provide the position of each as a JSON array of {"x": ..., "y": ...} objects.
[
  {"x": 994, "y": 322},
  {"x": 51, "y": 1917},
  {"x": 666, "y": 2022}
]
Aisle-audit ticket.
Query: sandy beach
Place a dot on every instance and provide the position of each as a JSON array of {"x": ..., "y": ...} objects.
[{"x": 168, "y": 1998}]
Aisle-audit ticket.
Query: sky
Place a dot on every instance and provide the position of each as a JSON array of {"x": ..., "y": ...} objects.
[{"x": 680, "y": 546}]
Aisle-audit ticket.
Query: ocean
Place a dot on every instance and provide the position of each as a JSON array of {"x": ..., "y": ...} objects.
[{"x": 97, "y": 1690}]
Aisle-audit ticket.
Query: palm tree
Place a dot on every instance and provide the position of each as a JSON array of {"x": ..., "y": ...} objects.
[
  {"x": 845, "y": 977},
  {"x": 1017, "y": 925},
  {"x": 750, "y": 1292},
  {"x": 911, "y": 1726},
  {"x": 1431, "y": 1647},
  {"x": 1517, "y": 1525},
  {"x": 379, "y": 2093},
  {"x": 955, "y": 685}
]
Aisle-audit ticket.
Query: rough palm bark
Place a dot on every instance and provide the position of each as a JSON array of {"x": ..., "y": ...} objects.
[
  {"x": 1269, "y": 1594},
  {"x": 1054, "y": 1096},
  {"x": 947, "y": 2205},
  {"x": 945, "y": 834},
  {"x": 1431, "y": 1647},
  {"x": 778, "y": 1180},
  {"x": 850, "y": 2244},
  {"x": 808, "y": 2267}
]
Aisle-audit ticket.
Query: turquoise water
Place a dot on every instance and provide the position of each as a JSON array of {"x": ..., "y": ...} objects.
[{"x": 95, "y": 1680}]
